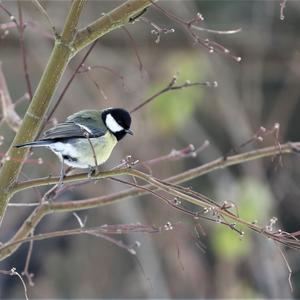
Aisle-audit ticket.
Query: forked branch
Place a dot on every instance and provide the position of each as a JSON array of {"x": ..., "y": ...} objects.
[{"x": 168, "y": 185}]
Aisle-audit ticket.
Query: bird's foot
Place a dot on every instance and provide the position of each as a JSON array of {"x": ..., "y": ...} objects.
[
  {"x": 93, "y": 171},
  {"x": 60, "y": 183}
]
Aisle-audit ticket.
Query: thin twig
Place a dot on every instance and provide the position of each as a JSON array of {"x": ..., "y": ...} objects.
[
  {"x": 116, "y": 229},
  {"x": 52, "y": 193},
  {"x": 42, "y": 10},
  {"x": 22, "y": 99},
  {"x": 141, "y": 66},
  {"x": 70, "y": 81},
  {"x": 119, "y": 243},
  {"x": 13, "y": 272},
  {"x": 157, "y": 31},
  {"x": 168, "y": 201},
  {"x": 80, "y": 222},
  {"x": 36, "y": 190},
  {"x": 12, "y": 204},
  {"x": 26, "y": 272},
  {"x": 211, "y": 46},
  {"x": 23, "y": 50},
  {"x": 84, "y": 69},
  {"x": 282, "y": 8},
  {"x": 98, "y": 86},
  {"x": 189, "y": 151},
  {"x": 11, "y": 117},
  {"x": 221, "y": 32},
  {"x": 172, "y": 87},
  {"x": 290, "y": 271},
  {"x": 11, "y": 16}
]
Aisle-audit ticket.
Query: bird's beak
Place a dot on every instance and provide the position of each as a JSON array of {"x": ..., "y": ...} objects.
[{"x": 128, "y": 131}]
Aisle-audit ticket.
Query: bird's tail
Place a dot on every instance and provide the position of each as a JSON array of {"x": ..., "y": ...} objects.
[{"x": 33, "y": 144}]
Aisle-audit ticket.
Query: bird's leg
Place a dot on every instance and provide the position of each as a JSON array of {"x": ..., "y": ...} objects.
[
  {"x": 56, "y": 189},
  {"x": 62, "y": 173},
  {"x": 92, "y": 171}
]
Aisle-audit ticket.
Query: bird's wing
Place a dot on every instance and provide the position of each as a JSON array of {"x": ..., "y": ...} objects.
[{"x": 73, "y": 129}]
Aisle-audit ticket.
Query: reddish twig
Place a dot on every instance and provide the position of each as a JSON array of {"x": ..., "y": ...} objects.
[
  {"x": 84, "y": 69},
  {"x": 141, "y": 66},
  {"x": 211, "y": 46},
  {"x": 36, "y": 190},
  {"x": 98, "y": 86},
  {"x": 188, "y": 151},
  {"x": 28, "y": 24},
  {"x": 157, "y": 31},
  {"x": 10, "y": 15},
  {"x": 26, "y": 272},
  {"x": 174, "y": 203},
  {"x": 23, "y": 50},
  {"x": 70, "y": 81}
]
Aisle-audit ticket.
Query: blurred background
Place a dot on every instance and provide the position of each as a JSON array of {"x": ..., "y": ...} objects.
[{"x": 198, "y": 258}]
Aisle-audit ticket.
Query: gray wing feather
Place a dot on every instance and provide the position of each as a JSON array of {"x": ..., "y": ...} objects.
[{"x": 73, "y": 128}]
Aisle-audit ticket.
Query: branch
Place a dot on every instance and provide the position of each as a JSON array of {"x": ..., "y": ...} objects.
[
  {"x": 116, "y": 229},
  {"x": 113, "y": 20},
  {"x": 100, "y": 231},
  {"x": 153, "y": 184},
  {"x": 182, "y": 177}
]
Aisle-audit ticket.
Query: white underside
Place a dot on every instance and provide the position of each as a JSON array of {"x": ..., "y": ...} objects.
[{"x": 85, "y": 157}]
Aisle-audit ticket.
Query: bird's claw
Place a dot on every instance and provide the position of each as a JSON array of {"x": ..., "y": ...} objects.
[{"x": 93, "y": 171}]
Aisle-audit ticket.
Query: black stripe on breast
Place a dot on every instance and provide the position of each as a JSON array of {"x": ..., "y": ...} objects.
[{"x": 70, "y": 158}]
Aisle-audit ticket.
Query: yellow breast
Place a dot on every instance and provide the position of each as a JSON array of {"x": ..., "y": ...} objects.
[
  {"x": 84, "y": 153},
  {"x": 103, "y": 147}
]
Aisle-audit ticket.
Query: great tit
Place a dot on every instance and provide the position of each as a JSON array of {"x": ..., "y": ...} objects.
[{"x": 85, "y": 135}]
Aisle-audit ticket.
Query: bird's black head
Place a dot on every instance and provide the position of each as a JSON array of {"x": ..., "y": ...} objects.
[{"x": 117, "y": 121}]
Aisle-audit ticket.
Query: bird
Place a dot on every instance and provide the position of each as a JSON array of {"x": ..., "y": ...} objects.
[{"x": 86, "y": 138}]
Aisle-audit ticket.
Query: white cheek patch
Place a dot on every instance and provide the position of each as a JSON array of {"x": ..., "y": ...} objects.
[{"x": 112, "y": 124}]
